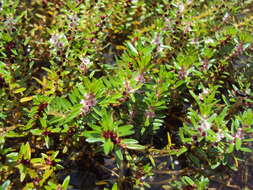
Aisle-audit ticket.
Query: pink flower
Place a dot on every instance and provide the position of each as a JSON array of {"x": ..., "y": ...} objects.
[
  {"x": 219, "y": 137},
  {"x": 239, "y": 134},
  {"x": 140, "y": 78},
  {"x": 150, "y": 113},
  {"x": 88, "y": 102}
]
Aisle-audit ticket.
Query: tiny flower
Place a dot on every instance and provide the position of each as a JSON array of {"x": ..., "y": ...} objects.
[
  {"x": 113, "y": 135},
  {"x": 85, "y": 63},
  {"x": 98, "y": 25},
  {"x": 167, "y": 25},
  {"x": 238, "y": 50},
  {"x": 239, "y": 134},
  {"x": 150, "y": 113},
  {"x": 58, "y": 41},
  {"x": 225, "y": 18},
  {"x": 200, "y": 129},
  {"x": 205, "y": 125},
  {"x": 140, "y": 78},
  {"x": 195, "y": 41},
  {"x": 203, "y": 134},
  {"x": 204, "y": 93},
  {"x": 158, "y": 42},
  {"x": 157, "y": 39},
  {"x": 209, "y": 41},
  {"x": 36, "y": 181},
  {"x": 187, "y": 27},
  {"x": 116, "y": 140},
  {"x": 25, "y": 162},
  {"x": 88, "y": 102},
  {"x": 93, "y": 40},
  {"x": 181, "y": 7},
  {"x": 42, "y": 107},
  {"x": 10, "y": 46},
  {"x": 73, "y": 20},
  {"x": 9, "y": 23},
  {"x": 46, "y": 133},
  {"x": 205, "y": 64},
  {"x": 128, "y": 88},
  {"x": 219, "y": 137},
  {"x": 106, "y": 134},
  {"x": 182, "y": 73},
  {"x": 194, "y": 137},
  {"x": 49, "y": 162}
]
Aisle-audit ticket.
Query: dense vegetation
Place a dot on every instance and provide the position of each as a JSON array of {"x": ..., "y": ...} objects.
[{"x": 85, "y": 82}]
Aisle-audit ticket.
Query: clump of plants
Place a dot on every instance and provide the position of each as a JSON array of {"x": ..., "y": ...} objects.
[{"x": 84, "y": 82}]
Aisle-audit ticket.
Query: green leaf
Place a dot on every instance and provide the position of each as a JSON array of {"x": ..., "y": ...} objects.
[
  {"x": 119, "y": 153},
  {"x": 129, "y": 141},
  {"x": 115, "y": 186},
  {"x": 108, "y": 145},
  {"x": 135, "y": 146},
  {"x": 125, "y": 130},
  {"x": 54, "y": 155},
  {"x": 36, "y": 131},
  {"x": 28, "y": 151},
  {"x": 19, "y": 90},
  {"x": 152, "y": 160},
  {"x": 46, "y": 175},
  {"x": 181, "y": 151},
  {"x": 12, "y": 134},
  {"x": 194, "y": 159},
  {"x": 93, "y": 140},
  {"x": 66, "y": 183},
  {"x": 5, "y": 185},
  {"x": 189, "y": 180},
  {"x": 92, "y": 134},
  {"x": 230, "y": 148},
  {"x": 75, "y": 112},
  {"x": 238, "y": 144},
  {"x": 47, "y": 141},
  {"x": 132, "y": 48},
  {"x": 215, "y": 165},
  {"x": 248, "y": 140},
  {"x": 95, "y": 127},
  {"x": 36, "y": 160},
  {"x": 245, "y": 149},
  {"x": 43, "y": 122},
  {"x": 26, "y": 99},
  {"x": 22, "y": 172}
]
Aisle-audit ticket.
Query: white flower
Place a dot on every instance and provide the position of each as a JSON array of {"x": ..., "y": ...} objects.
[
  {"x": 205, "y": 125},
  {"x": 88, "y": 102},
  {"x": 226, "y": 16},
  {"x": 128, "y": 88},
  {"x": 219, "y": 136},
  {"x": 181, "y": 7},
  {"x": 9, "y": 23},
  {"x": 204, "y": 93},
  {"x": 209, "y": 41},
  {"x": 85, "y": 61},
  {"x": 140, "y": 78},
  {"x": 73, "y": 20},
  {"x": 58, "y": 40}
]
